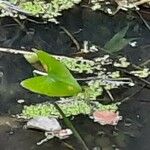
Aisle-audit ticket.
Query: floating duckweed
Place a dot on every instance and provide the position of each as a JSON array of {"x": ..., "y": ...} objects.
[
  {"x": 105, "y": 60},
  {"x": 141, "y": 73},
  {"x": 115, "y": 74},
  {"x": 122, "y": 62},
  {"x": 71, "y": 108},
  {"x": 111, "y": 107},
  {"x": 38, "y": 8},
  {"x": 79, "y": 64},
  {"x": 91, "y": 92},
  {"x": 100, "y": 5},
  {"x": 96, "y": 6},
  {"x": 34, "y": 9}
]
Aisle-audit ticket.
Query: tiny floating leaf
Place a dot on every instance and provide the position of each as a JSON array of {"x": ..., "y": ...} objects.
[{"x": 58, "y": 82}]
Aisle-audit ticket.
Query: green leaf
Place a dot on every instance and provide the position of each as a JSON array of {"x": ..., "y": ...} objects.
[
  {"x": 118, "y": 42},
  {"x": 58, "y": 82}
]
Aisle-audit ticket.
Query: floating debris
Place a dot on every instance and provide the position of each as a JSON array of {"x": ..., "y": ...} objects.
[
  {"x": 133, "y": 43},
  {"x": 61, "y": 134},
  {"x": 20, "y": 101},
  {"x": 106, "y": 117},
  {"x": 44, "y": 123},
  {"x": 51, "y": 127},
  {"x": 88, "y": 49}
]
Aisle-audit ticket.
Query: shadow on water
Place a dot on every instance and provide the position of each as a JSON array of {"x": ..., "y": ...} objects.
[{"x": 97, "y": 28}]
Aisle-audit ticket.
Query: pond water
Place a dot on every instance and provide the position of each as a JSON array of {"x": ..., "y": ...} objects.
[{"x": 131, "y": 133}]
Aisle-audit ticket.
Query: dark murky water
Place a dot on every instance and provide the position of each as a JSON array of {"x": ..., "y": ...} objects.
[{"x": 85, "y": 25}]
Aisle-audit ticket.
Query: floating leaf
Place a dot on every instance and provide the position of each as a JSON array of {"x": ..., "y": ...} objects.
[
  {"x": 58, "y": 82},
  {"x": 118, "y": 42}
]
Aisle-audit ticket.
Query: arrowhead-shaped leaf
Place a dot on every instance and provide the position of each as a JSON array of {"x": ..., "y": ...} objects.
[
  {"x": 58, "y": 82},
  {"x": 118, "y": 42}
]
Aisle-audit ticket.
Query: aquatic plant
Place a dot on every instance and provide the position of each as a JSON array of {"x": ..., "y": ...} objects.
[
  {"x": 69, "y": 106},
  {"x": 118, "y": 42},
  {"x": 57, "y": 82},
  {"x": 99, "y": 78}
]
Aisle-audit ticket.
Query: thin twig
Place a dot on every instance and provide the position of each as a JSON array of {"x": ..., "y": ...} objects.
[
  {"x": 145, "y": 63},
  {"x": 23, "y": 52},
  {"x": 110, "y": 95},
  {"x": 69, "y": 146},
  {"x": 145, "y": 101},
  {"x": 14, "y": 51},
  {"x": 19, "y": 23},
  {"x": 144, "y": 21},
  {"x": 34, "y": 21},
  {"x": 40, "y": 73},
  {"x": 140, "y": 2},
  {"x": 129, "y": 97},
  {"x": 71, "y": 37},
  {"x": 12, "y": 7}
]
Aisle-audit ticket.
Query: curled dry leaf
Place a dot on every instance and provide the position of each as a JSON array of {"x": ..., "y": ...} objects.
[{"x": 106, "y": 117}]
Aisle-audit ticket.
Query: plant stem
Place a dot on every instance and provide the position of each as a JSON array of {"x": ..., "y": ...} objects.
[
  {"x": 144, "y": 21},
  {"x": 14, "y": 51},
  {"x": 129, "y": 97},
  {"x": 70, "y": 125},
  {"x": 71, "y": 37}
]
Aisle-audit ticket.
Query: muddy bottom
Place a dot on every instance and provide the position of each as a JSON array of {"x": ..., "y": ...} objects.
[{"x": 132, "y": 132}]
